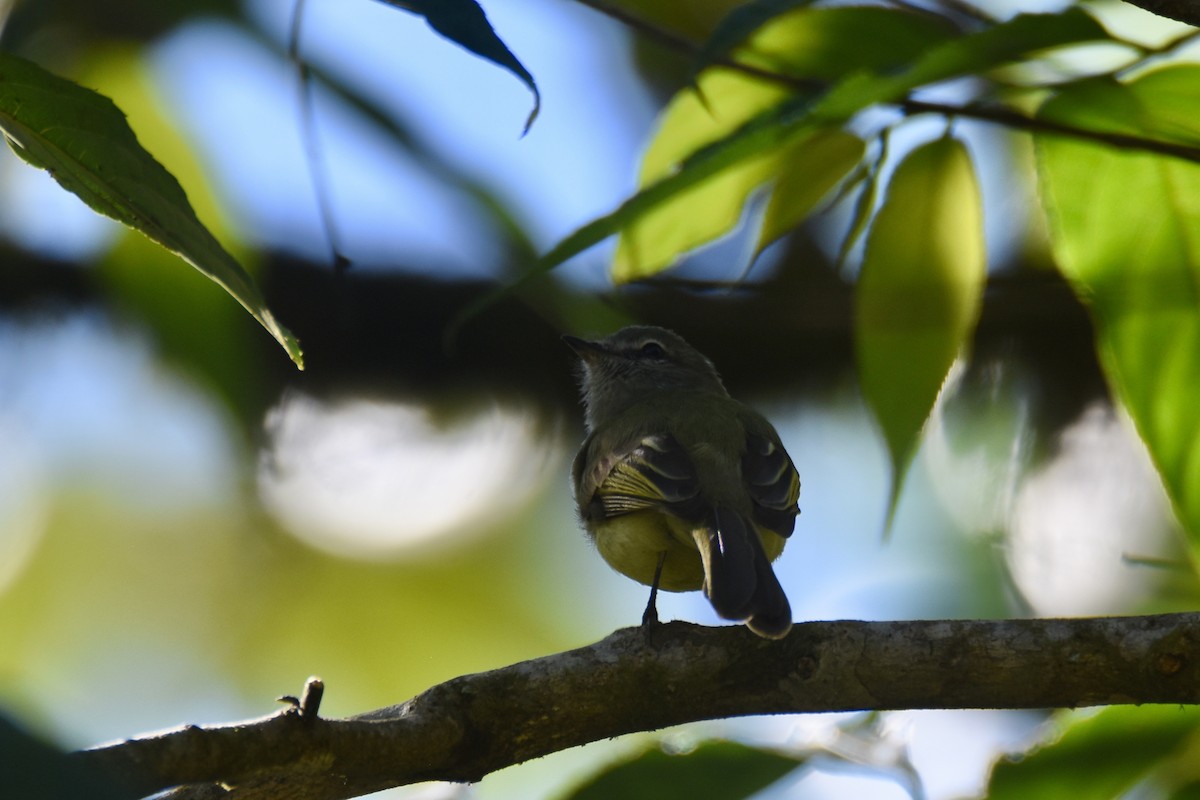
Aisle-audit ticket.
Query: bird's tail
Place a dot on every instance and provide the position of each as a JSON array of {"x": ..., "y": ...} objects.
[{"x": 738, "y": 579}]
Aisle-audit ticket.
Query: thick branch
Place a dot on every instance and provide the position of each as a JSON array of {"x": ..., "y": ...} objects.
[{"x": 470, "y": 726}]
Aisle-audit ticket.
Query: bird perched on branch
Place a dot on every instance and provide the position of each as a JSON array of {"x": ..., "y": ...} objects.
[{"x": 681, "y": 486}]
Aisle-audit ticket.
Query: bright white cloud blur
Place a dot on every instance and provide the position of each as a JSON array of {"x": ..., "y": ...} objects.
[
  {"x": 1080, "y": 517},
  {"x": 371, "y": 478},
  {"x": 977, "y": 445}
]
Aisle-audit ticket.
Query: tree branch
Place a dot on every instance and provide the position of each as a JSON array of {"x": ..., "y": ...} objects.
[{"x": 470, "y": 726}]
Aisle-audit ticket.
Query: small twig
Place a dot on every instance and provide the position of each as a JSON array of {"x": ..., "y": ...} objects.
[
  {"x": 310, "y": 701},
  {"x": 312, "y": 147},
  {"x": 683, "y": 44},
  {"x": 1014, "y": 119}
]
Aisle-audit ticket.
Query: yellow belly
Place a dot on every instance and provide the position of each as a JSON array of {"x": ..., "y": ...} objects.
[{"x": 631, "y": 544}]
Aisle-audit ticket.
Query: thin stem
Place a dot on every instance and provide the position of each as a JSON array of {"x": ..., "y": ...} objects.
[
  {"x": 312, "y": 146},
  {"x": 1014, "y": 119}
]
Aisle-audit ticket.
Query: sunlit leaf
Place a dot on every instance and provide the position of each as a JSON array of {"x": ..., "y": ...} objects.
[
  {"x": 654, "y": 244},
  {"x": 708, "y": 208},
  {"x": 918, "y": 296},
  {"x": 827, "y": 43},
  {"x": 1099, "y": 757},
  {"x": 464, "y": 23},
  {"x": 737, "y": 26},
  {"x": 1125, "y": 228},
  {"x": 864, "y": 204},
  {"x": 83, "y": 141},
  {"x": 770, "y": 129},
  {"x": 1019, "y": 37},
  {"x": 820, "y": 43},
  {"x": 807, "y": 172},
  {"x": 714, "y": 771}
]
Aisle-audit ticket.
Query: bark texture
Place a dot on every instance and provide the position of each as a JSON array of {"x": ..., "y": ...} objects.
[{"x": 467, "y": 727}]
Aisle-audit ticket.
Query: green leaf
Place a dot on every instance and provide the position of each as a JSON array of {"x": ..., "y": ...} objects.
[
  {"x": 1125, "y": 228},
  {"x": 864, "y": 204},
  {"x": 737, "y": 26},
  {"x": 714, "y": 771},
  {"x": 84, "y": 142},
  {"x": 807, "y": 172},
  {"x": 1001, "y": 44},
  {"x": 770, "y": 129},
  {"x": 821, "y": 42},
  {"x": 464, "y": 23},
  {"x": 918, "y": 295},
  {"x": 707, "y": 209},
  {"x": 1098, "y": 757},
  {"x": 827, "y": 43}
]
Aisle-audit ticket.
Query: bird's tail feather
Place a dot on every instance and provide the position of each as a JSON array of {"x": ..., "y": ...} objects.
[{"x": 739, "y": 581}]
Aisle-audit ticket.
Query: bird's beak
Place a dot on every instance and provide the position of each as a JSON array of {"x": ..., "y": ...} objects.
[{"x": 583, "y": 348}]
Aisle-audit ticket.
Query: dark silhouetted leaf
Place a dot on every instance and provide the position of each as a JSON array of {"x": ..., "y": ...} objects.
[
  {"x": 714, "y": 771},
  {"x": 464, "y": 23}
]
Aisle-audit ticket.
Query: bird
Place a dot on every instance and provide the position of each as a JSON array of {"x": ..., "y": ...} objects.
[{"x": 680, "y": 486}]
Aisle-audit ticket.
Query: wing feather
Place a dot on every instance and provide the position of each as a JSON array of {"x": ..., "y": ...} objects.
[{"x": 773, "y": 483}]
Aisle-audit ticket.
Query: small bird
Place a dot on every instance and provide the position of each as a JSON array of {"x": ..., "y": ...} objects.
[{"x": 680, "y": 486}]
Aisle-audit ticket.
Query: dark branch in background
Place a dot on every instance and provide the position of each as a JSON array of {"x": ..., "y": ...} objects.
[
  {"x": 471, "y": 726},
  {"x": 995, "y": 114}
]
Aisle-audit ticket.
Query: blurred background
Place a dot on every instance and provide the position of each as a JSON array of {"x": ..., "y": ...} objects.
[{"x": 189, "y": 527}]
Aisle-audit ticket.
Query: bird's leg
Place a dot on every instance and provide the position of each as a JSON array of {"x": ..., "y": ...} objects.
[{"x": 650, "y": 616}]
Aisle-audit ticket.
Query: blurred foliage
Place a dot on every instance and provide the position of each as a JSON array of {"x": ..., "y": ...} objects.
[
  {"x": 713, "y": 770},
  {"x": 1106, "y": 754},
  {"x": 811, "y": 146}
]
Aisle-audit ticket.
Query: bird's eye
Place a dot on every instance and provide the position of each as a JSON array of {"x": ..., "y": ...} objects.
[{"x": 653, "y": 350}]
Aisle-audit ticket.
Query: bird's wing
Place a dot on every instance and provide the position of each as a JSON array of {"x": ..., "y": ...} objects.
[
  {"x": 772, "y": 482},
  {"x": 651, "y": 472}
]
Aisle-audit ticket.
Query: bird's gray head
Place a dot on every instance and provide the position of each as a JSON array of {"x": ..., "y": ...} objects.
[{"x": 626, "y": 366}]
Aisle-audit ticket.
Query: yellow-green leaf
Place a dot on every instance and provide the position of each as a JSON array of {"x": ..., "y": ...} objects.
[
  {"x": 1125, "y": 228},
  {"x": 918, "y": 296},
  {"x": 712, "y": 207},
  {"x": 807, "y": 172},
  {"x": 821, "y": 43},
  {"x": 82, "y": 139}
]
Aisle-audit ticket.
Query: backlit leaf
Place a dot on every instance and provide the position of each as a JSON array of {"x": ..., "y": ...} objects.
[
  {"x": 807, "y": 173},
  {"x": 1125, "y": 228},
  {"x": 1098, "y": 757},
  {"x": 918, "y": 295},
  {"x": 82, "y": 139}
]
